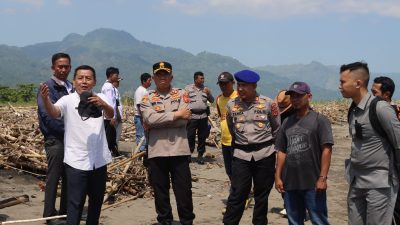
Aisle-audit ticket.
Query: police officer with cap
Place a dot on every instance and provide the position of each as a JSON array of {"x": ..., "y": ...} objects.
[
  {"x": 165, "y": 114},
  {"x": 253, "y": 121}
]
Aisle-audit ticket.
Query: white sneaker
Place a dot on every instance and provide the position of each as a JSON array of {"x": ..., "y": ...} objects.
[{"x": 283, "y": 212}]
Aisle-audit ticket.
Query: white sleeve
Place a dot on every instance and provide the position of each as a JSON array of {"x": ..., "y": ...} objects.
[{"x": 62, "y": 105}]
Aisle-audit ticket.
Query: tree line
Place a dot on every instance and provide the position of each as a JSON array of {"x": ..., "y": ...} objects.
[{"x": 20, "y": 93}]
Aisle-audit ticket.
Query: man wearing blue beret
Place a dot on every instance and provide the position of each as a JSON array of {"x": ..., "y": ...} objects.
[{"x": 253, "y": 121}]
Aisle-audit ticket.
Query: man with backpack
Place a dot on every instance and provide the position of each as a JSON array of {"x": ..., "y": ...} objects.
[
  {"x": 371, "y": 170},
  {"x": 383, "y": 87}
]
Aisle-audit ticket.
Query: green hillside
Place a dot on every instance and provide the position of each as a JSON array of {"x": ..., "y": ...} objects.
[{"x": 102, "y": 48}]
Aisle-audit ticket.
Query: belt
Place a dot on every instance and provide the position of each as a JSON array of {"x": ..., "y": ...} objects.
[
  {"x": 254, "y": 147},
  {"x": 198, "y": 112}
]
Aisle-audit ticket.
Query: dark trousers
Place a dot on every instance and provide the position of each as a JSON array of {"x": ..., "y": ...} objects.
[
  {"x": 161, "y": 168},
  {"x": 396, "y": 213},
  {"x": 201, "y": 127},
  {"x": 55, "y": 170},
  {"x": 80, "y": 184},
  {"x": 227, "y": 153},
  {"x": 243, "y": 173},
  {"x": 111, "y": 134}
]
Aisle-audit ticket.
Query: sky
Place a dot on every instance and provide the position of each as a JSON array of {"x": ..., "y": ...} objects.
[{"x": 255, "y": 32}]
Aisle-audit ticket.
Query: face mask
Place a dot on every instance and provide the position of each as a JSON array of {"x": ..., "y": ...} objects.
[{"x": 87, "y": 109}]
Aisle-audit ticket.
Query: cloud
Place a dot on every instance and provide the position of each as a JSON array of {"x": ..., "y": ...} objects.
[
  {"x": 286, "y": 8},
  {"x": 7, "y": 11},
  {"x": 64, "y": 2},
  {"x": 36, "y": 3}
]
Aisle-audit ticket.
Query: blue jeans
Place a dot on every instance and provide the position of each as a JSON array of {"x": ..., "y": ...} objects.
[
  {"x": 139, "y": 132},
  {"x": 297, "y": 201}
]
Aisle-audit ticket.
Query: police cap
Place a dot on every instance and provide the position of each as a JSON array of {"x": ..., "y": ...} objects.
[
  {"x": 247, "y": 76},
  {"x": 162, "y": 66}
]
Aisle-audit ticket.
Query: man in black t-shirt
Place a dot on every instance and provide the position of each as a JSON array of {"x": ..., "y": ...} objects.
[{"x": 304, "y": 143}]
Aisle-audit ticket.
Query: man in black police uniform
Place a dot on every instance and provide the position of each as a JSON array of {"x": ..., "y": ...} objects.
[{"x": 253, "y": 121}]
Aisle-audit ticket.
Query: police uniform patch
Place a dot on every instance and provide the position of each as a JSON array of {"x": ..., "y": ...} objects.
[
  {"x": 236, "y": 108},
  {"x": 274, "y": 110},
  {"x": 260, "y": 124},
  {"x": 260, "y": 106},
  {"x": 145, "y": 99},
  {"x": 159, "y": 108},
  {"x": 240, "y": 119}
]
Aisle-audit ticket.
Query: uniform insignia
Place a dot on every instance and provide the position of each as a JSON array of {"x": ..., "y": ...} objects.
[
  {"x": 240, "y": 119},
  {"x": 260, "y": 106},
  {"x": 145, "y": 99},
  {"x": 262, "y": 117},
  {"x": 236, "y": 108},
  {"x": 274, "y": 110},
  {"x": 260, "y": 124},
  {"x": 157, "y": 108},
  {"x": 237, "y": 125}
]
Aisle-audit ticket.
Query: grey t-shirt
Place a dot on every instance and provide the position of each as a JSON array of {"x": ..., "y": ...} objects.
[{"x": 302, "y": 140}]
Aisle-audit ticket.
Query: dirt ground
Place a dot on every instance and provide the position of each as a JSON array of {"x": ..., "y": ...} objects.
[{"x": 209, "y": 193}]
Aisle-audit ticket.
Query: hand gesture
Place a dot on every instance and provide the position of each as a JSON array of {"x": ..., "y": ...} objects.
[
  {"x": 96, "y": 100},
  {"x": 44, "y": 90}
]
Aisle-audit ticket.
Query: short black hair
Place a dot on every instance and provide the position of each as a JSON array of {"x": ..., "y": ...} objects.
[
  {"x": 85, "y": 67},
  {"x": 144, "y": 77},
  {"x": 111, "y": 70},
  {"x": 198, "y": 74},
  {"x": 354, "y": 66},
  {"x": 360, "y": 67},
  {"x": 58, "y": 56},
  {"x": 387, "y": 84}
]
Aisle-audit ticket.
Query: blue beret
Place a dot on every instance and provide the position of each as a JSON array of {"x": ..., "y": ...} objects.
[{"x": 247, "y": 76}]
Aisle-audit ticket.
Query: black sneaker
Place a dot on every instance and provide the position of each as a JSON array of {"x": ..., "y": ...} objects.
[{"x": 200, "y": 160}]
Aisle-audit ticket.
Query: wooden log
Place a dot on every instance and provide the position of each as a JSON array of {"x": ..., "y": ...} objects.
[
  {"x": 14, "y": 201},
  {"x": 114, "y": 187},
  {"x": 33, "y": 220}
]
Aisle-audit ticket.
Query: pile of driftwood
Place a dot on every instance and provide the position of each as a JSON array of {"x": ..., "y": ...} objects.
[
  {"x": 336, "y": 111},
  {"x": 21, "y": 142},
  {"x": 22, "y": 148}
]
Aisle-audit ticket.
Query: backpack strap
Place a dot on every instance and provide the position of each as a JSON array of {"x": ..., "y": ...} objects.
[{"x": 373, "y": 117}]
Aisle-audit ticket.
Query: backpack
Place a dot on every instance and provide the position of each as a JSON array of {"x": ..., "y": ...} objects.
[
  {"x": 373, "y": 117},
  {"x": 376, "y": 125}
]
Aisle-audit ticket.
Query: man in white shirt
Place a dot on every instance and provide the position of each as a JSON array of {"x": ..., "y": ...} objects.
[
  {"x": 86, "y": 151},
  {"x": 141, "y": 91},
  {"x": 108, "y": 90},
  {"x": 118, "y": 128}
]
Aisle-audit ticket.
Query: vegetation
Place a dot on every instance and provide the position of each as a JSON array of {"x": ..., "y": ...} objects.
[{"x": 22, "y": 93}]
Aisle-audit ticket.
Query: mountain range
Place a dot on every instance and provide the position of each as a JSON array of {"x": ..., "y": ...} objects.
[{"x": 102, "y": 48}]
